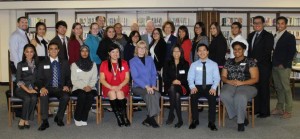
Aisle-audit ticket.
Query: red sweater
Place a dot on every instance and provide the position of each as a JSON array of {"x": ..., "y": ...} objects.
[
  {"x": 73, "y": 51},
  {"x": 187, "y": 47}
]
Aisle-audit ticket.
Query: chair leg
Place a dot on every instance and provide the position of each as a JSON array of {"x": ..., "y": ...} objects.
[
  {"x": 69, "y": 112},
  {"x": 161, "y": 110},
  {"x": 224, "y": 112},
  {"x": 189, "y": 111},
  {"x": 39, "y": 112},
  {"x": 219, "y": 114},
  {"x": 130, "y": 108},
  {"x": 253, "y": 113},
  {"x": 9, "y": 113},
  {"x": 97, "y": 111},
  {"x": 100, "y": 111}
]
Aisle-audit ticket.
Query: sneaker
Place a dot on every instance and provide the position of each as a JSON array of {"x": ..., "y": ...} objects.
[
  {"x": 277, "y": 112},
  {"x": 83, "y": 123},
  {"x": 286, "y": 115},
  {"x": 77, "y": 123}
]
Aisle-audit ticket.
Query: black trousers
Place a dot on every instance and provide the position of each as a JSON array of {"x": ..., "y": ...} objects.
[
  {"x": 211, "y": 102},
  {"x": 175, "y": 92},
  {"x": 63, "y": 97},
  {"x": 29, "y": 103},
  {"x": 84, "y": 103},
  {"x": 262, "y": 99}
]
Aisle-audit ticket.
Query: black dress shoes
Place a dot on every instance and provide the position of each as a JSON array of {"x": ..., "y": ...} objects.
[
  {"x": 44, "y": 126},
  {"x": 58, "y": 121},
  {"x": 212, "y": 126},
  {"x": 146, "y": 122},
  {"x": 27, "y": 126},
  {"x": 194, "y": 124},
  {"x": 170, "y": 119},
  {"x": 21, "y": 126},
  {"x": 153, "y": 123},
  {"x": 179, "y": 124},
  {"x": 262, "y": 116},
  {"x": 246, "y": 122},
  {"x": 241, "y": 127}
]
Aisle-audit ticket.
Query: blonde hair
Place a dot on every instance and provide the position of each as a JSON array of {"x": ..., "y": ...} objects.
[{"x": 141, "y": 44}]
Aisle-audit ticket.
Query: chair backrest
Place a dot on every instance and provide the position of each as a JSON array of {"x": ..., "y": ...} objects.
[{"x": 11, "y": 83}]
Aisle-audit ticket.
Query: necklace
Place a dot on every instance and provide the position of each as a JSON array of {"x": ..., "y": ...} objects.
[{"x": 115, "y": 71}]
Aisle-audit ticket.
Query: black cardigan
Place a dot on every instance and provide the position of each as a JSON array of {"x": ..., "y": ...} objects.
[
  {"x": 171, "y": 73},
  {"x": 218, "y": 49},
  {"x": 102, "y": 51},
  {"x": 160, "y": 51}
]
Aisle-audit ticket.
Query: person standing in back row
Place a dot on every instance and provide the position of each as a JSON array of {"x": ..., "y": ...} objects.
[{"x": 61, "y": 39}]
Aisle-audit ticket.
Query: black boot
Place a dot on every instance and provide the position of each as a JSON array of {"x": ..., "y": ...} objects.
[
  {"x": 122, "y": 106},
  {"x": 114, "y": 106}
]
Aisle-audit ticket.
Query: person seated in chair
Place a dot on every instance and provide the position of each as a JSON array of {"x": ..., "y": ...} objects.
[
  {"x": 239, "y": 76},
  {"x": 114, "y": 77},
  {"x": 143, "y": 72},
  {"x": 84, "y": 77},
  {"x": 26, "y": 82},
  {"x": 54, "y": 81},
  {"x": 203, "y": 78},
  {"x": 175, "y": 79}
]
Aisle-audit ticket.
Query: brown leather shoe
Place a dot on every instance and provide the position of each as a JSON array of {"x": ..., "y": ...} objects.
[
  {"x": 286, "y": 115},
  {"x": 276, "y": 112}
]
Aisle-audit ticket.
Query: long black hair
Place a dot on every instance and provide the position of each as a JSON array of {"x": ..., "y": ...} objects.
[
  {"x": 161, "y": 37},
  {"x": 35, "y": 57},
  {"x": 36, "y": 31},
  {"x": 181, "y": 58},
  {"x": 185, "y": 29},
  {"x": 202, "y": 26},
  {"x": 132, "y": 33},
  {"x": 112, "y": 47}
]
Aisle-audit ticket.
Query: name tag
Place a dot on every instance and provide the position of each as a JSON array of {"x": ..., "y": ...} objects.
[
  {"x": 181, "y": 71},
  {"x": 78, "y": 70},
  {"x": 243, "y": 64},
  {"x": 24, "y": 68},
  {"x": 46, "y": 66},
  {"x": 198, "y": 68},
  {"x": 122, "y": 68}
]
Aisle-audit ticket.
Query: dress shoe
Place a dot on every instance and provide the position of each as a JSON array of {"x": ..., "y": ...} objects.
[
  {"x": 194, "y": 124},
  {"x": 277, "y": 112},
  {"x": 286, "y": 115},
  {"x": 212, "y": 126},
  {"x": 27, "y": 126},
  {"x": 146, "y": 122},
  {"x": 170, "y": 120},
  {"x": 262, "y": 116},
  {"x": 179, "y": 124},
  {"x": 153, "y": 122},
  {"x": 60, "y": 123},
  {"x": 246, "y": 122},
  {"x": 44, "y": 126},
  {"x": 21, "y": 126},
  {"x": 55, "y": 119},
  {"x": 241, "y": 127}
]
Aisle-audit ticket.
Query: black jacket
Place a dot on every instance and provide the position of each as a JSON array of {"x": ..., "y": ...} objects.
[
  {"x": 129, "y": 51},
  {"x": 25, "y": 75},
  {"x": 160, "y": 51},
  {"x": 285, "y": 50},
  {"x": 61, "y": 52},
  {"x": 262, "y": 49},
  {"x": 45, "y": 73},
  {"x": 102, "y": 51},
  {"x": 171, "y": 73},
  {"x": 218, "y": 49}
]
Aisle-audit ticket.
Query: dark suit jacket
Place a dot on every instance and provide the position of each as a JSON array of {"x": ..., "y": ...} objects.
[
  {"x": 102, "y": 51},
  {"x": 218, "y": 49},
  {"x": 285, "y": 50},
  {"x": 144, "y": 37},
  {"x": 129, "y": 51},
  {"x": 171, "y": 42},
  {"x": 57, "y": 40},
  {"x": 262, "y": 49},
  {"x": 160, "y": 53},
  {"x": 45, "y": 75},
  {"x": 171, "y": 73},
  {"x": 25, "y": 75}
]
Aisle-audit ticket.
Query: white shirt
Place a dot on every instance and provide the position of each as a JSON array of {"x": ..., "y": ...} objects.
[
  {"x": 149, "y": 38},
  {"x": 277, "y": 37},
  {"x": 239, "y": 38},
  {"x": 152, "y": 51},
  {"x": 40, "y": 48},
  {"x": 52, "y": 59},
  {"x": 167, "y": 38},
  {"x": 17, "y": 41}
]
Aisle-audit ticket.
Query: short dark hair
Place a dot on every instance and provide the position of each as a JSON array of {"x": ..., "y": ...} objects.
[
  {"x": 53, "y": 43},
  {"x": 259, "y": 17},
  {"x": 169, "y": 23},
  {"x": 282, "y": 18},
  {"x": 35, "y": 57},
  {"x": 97, "y": 17},
  {"x": 132, "y": 33},
  {"x": 61, "y": 23},
  {"x": 22, "y": 17},
  {"x": 238, "y": 24},
  {"x": 202, "y": 45},
  {"x": 240, "y": 44}
]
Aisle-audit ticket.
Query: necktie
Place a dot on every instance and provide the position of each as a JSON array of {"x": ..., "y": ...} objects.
[
  {"x": 27, "y": 38},
  {"x": 55, "y": 74},
  {"x": 204, "y": 76},
  {"x": 64, "y": 49},
  {"x": 45, "y": 46},
  {"x": 256, "y": 38}
]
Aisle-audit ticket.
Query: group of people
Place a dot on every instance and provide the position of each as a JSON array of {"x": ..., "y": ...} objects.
[{"x": 183, "y": 67}]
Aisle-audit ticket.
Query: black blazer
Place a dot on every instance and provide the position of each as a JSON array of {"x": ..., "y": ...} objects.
[
  {"x": 285, "y": 50},
  {"x": 262, "y": 49},
  {"x": 160, "y": 51},
  {"x": 171, "y": 42},
  {"x": 171, "y": 73},
  {"x": 102, "y": 51},
  {"x": 45, "y": 73},
  {"x": 25, "y": 75},
  {"x": 129, "y": 51},
  {"x": 218, "y": 49},
  {"x": 57, "y": 40}
]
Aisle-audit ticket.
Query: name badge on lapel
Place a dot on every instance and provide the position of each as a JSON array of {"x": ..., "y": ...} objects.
[
  {"x": 78, "y": 70},
  {"x": 181, "y": 71},
  {"x": 24, "y": 68},
  {"x": 198, "y": 68},
  {"x": 46, "y": 66},
  {"x": 169, "y": 42},
  {"x": 122, "y": 68},
  {"x": 243, "y": 64}
]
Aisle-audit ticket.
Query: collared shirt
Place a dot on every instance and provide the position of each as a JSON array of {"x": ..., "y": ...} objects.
[
  {"x": 252, "y": 42},
  {"x": 167, "y": 38},
  {"x": 66, "y": 41},
  {"x": 277, "y": 37},
  {"x": 196, "y": 71},
  {"x": 52, "y": 59},
  {"x": 40, "y": 48},
  {"x": 17, "y": 41},
  {"x": 149, "y": 38},
  {"x": 238, "y": 38}
]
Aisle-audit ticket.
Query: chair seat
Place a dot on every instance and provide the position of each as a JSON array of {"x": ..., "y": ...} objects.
[
  {"x": 74, "y": 98},
  {"x": 53, "y": 99},
  {"x": 15, "y": 99},
  {"x": 105, "y": 98},
  {"x": 181, "y": 98},
  {"x": 137, "y": 98},
  {"x": 204, "y": 99}
]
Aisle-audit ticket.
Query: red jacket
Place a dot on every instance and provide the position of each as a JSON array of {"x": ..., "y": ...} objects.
[
  {"x": 73, "y": 51},
  {"x": 187, "y": 47}
]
